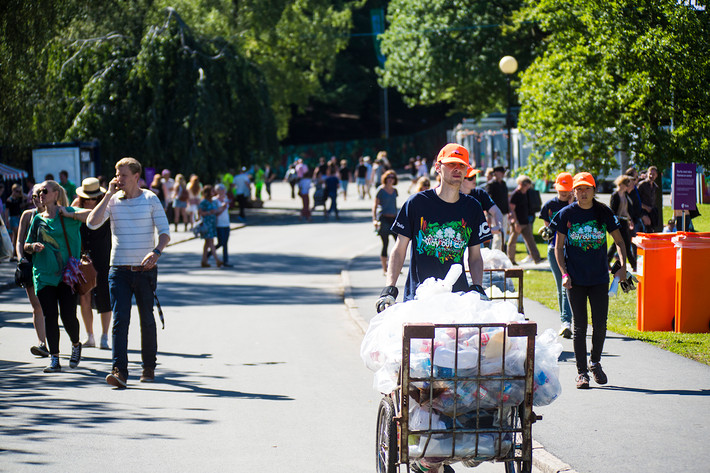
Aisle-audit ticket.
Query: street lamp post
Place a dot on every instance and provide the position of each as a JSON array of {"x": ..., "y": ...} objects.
[{"x": 508, "y": 65}]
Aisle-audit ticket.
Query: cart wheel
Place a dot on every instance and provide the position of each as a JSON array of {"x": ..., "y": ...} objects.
[{"x": 386, "y": 448}]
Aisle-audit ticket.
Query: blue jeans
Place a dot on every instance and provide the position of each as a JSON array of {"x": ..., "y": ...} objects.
[
  {"x": 123, "y": 285},
  {"x": 562, "y": 300},
  {"x": 222, "y": 239}
]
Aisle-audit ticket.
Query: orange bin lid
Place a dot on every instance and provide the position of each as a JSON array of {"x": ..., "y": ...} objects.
[
  {"x": 653, "y": 240},
  {"x": 692, "y": 240}
]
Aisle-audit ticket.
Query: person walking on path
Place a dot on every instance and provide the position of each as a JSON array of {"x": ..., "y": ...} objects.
[
  {"x": 491, "y": 210},
  {"x": 361, "y": 178},
  {"x": 242, "y": 191},
  {"x": 651, "y": 214},
  {"x": 331, "y": 184},
  {"x": 441, "y": 223},
  {"x": 344, "y": 174},
  {"x": 135, "y": 215},
  {"x": 208, "y": 209},
  {"x": 304, "y": 188},
  {"x": 621, "y": 204},
  {"x": 97, "y": 243},
  {"x": 37, "y": 316},
  {"x": 519, "y": 217},
  {"x": 563, "y": 186},
  {"x": 222, "y": 223},
  {"x": 180, "y": 197},
  {"x": 384, "y": 211},
  {"x": 580, "y": 250},
  {"x": 498, "y": 190},
  {"x": 52, "y": 237}
]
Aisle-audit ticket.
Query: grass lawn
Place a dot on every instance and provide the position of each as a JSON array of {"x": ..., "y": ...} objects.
[{"x": 540, "y": 286}]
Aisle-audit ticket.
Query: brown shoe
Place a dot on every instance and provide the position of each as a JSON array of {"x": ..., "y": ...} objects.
[
  {"x": 148, "y": 375},
  {"x": 116, "y": 378}
]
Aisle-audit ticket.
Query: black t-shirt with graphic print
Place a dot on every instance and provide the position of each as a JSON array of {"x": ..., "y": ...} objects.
[
  {"x": 585, "y": 245},
  {"x": 440, "y": 232}
]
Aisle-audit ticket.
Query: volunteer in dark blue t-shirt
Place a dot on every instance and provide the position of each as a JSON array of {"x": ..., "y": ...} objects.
[
  {"x": 563, "y": 186},
  {"x": 580, "y": 250},
  {"x": 492, "y": 212},
  {"x": 441, "y": 224}
]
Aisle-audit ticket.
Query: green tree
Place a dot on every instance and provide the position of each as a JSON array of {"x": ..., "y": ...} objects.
[
  {"x": 618, "y": 76},
  {"x": 448, "y": 51},
  {"x": 187, "y": 102}
]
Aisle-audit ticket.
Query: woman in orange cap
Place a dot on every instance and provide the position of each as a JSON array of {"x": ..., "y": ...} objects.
[
  {"x": 563, "y": 186},
  {"x": 580, "y": 250}
]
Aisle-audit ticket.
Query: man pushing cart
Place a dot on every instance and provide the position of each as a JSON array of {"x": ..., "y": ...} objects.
[{"x": 453, "y": 395}]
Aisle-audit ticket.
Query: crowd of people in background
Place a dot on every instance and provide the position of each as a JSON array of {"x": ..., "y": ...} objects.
[{"x": 51, "y": 221}]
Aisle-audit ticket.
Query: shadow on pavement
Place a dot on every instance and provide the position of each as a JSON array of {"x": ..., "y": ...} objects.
[{"x": 675, "y": 392}]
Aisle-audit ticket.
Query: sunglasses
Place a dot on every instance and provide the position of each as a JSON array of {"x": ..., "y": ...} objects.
[
  {"x": 470, "y": 178},
  {"x": 42, "y": 191}
]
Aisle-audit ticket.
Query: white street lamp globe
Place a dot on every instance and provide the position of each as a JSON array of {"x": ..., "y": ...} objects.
[{"x": 508, "y": 65}]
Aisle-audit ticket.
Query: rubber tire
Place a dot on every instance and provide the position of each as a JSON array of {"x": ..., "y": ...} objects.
[{"x": 386, "y": 454}]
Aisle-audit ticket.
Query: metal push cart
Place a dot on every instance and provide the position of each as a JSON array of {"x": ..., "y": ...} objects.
[{"x": 469, "y": 415}]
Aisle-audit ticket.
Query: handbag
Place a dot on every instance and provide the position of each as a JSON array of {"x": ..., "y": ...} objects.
[
  {"x": 23, "y": 273},
  {"x": 80, "y": 274}
]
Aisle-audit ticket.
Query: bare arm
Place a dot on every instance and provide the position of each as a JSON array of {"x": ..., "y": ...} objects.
[
  {"x": 96, "y": 216},
  {"x": 22, "y": 231},
  {"x": 560, "y": 257},
  {"x": 475, "y": 264},
  {"x": 621, "y": 249},
  {"x": 151, "y": 259},
  {"x": 396, "y": 261},
  {"x": 79, "y": 214},
  {"x": 497, "y": 218}
]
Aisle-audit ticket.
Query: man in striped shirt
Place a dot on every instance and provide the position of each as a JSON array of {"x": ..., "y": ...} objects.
[{"x": 135, "y": 215}]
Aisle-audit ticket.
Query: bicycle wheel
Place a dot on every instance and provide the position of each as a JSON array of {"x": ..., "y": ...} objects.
[{"x": 386, "y": 447}]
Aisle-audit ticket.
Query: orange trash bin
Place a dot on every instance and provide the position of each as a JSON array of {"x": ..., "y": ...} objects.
[
  {"x": 692, "y": 310},
  {"x": 655, "y": 306}
]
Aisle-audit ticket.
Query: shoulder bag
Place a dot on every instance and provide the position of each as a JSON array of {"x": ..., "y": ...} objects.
[{"x": 79, "y": 275}]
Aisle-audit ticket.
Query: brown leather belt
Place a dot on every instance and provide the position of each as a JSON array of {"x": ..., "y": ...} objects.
[{"x": 133, "y": 268}]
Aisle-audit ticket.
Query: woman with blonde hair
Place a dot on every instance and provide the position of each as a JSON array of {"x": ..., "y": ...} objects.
[
  {"x": 194, "y": 189},
  {"x": 37, "y": 315},
  {"x": 52, "y": 238},
  {"x": 180, "y": 198}
]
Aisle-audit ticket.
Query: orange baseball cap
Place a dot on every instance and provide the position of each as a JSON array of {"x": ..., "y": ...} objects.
[
  {"x": 564, "y": 182},
  {"x": 453, "y": 153},
  {"x": 472, "y": 172},
  {"x": 583, "y": 179}
]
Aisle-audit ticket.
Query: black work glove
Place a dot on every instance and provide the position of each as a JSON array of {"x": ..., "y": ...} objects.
[
  {"x": 546, "y": 233},
  {"x": 479, "y": 289},
  {"x": 388, "y": 296}
]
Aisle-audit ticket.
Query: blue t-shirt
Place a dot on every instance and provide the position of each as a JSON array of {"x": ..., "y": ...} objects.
[
  {"x": 483, "y": 198},
  {"x": 585, "y": 245},
  {"x": 548, "y": 212},
  {"x": 440, "y": 232}
]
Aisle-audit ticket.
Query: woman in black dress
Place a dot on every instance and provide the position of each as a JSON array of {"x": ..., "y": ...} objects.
[{"x": 98, "y": 244}]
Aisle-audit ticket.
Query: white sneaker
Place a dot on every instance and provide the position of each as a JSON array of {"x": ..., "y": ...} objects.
[
  {"x": 527, "y": 259},
  {"x": 89, "y": 342},
  {"x": 566, "y": 330},
  {"x": 104, "y": 342}
]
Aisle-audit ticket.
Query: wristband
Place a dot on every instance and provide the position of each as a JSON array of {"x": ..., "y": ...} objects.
[
  {"x": 566, "y": 275},
  {"x": 157, "y": 251},
  {"x": 390, "y": 291}
]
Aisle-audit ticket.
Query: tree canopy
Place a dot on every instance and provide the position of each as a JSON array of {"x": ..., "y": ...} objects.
[
  {"x": 204, "y": 83},
  {"x": 617, "y": 77},
  {"x": 448, "y": 51}
]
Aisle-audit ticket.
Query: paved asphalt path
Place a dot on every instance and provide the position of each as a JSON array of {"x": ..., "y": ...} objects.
[{"x": 259, "y": 369}]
